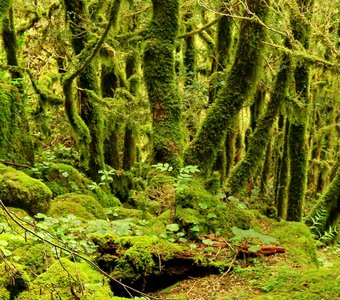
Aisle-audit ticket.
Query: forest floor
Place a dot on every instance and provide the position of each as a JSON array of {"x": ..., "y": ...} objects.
[{"x": 266, "y": 278}]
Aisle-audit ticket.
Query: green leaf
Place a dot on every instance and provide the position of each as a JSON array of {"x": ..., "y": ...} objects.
[
  {"x": 3, "y": 243},
  {"x": 203, "y": 205},
  {"x": 254, "y": 248},
  {"x": 207, "y": 242},
  {"x": 193, "y": 246},
  {"x": 40, "y": 216},
  {"x": 172, "y": 227},
  {"x": 195, "y": 228},
  {"x": 212, "y": 216}
]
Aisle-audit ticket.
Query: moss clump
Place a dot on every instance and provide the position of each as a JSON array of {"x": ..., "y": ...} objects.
[
  {"x": 4, "y": 294},
  {"x": 34, "y": 257},
  {"x": 284, "y": 282},
  {"x": 62, "y": 179},
  {"x": 56, "y": 283},
  {"x": 198, "y": 206},
  {"x": 124, "y": 213},
  {"x": 64, "y": 208},
  {"x": 14, "y": 279},
  {"x": 19, "y": 190},
  {"x": 136, "y": 256},
  {"x": 86, "y": 206},
  {"x": 298, "y": 241},
  {"x": 141, "y": 200}
]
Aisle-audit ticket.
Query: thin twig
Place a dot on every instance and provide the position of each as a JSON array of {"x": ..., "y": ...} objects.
[{"x": 230, "y": 267}]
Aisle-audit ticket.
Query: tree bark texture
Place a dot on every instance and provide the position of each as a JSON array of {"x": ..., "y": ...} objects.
[
  {"x": 241, "y": 85},
  {"x": 159, "y": 75}
]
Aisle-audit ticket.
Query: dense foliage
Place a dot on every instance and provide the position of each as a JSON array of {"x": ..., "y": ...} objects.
[{"x": 147, "y": 141}]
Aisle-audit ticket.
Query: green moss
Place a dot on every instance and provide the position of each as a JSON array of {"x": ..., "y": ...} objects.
[
  {"x": 35, "y": 258},
  {"x": 284, "y": 282},
  {"x": 298, "y": 241},
  {"x": 64, "y": 208},
  {"x": 14, "y": 279},
  {"x": 240, "y": 86},
  {"x": 210, "y": 212},
  {"x": 19, "y": 190},
  {"x": 4, "y": 294},
  {"x": 63, "y": 274},
  {"x": 90, "y": 203},
  {"x": 159, "y": 75},
  {"x": 136, "y": 214},
  {"x": 62, "y": 179},
  {"x": 139, "y": 256},
  {"x": 141, "y": 200}
]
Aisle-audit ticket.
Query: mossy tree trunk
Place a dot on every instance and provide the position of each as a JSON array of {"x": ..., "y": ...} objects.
[
  {"x": 130, "y": 138},
  {"x": 159, "y": 75},
  {"x": 189, "y": 59},
  {"x": 76, "y": 14},
  {"x": 241, "y": 85},
  {"x": 20, "y": 141},
  {"x": 267, "y": 167},
  {"x": 297, "y": 144},
  {"x": 223, "y": 53},
  {"x": 283, "y": 176},
  {"x": 249, "y": 164},
  {"x": 109, "y": 82},
  {"x": 220, "y": 65},
  {"x": 329, "y": 201}
]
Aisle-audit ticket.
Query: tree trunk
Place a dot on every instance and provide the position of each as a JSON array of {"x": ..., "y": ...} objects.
[
  {"x": 19, "y": 141},
  {"x": 89, "y": 108},
  {"x": 130, "y": 144},
  {"x": 241, "y": 85},
  {"x": 245, "y": 169},
  {"x": 329, "y": 201},
  {"x": 159, "y": 75},
  {"x": 298, "y": 150},
  {"x": 283, "y": 177}
]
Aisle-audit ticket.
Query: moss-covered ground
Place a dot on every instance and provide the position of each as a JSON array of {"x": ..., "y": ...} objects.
[
  {"x": 186, "y": 233},
  {"x": 267, "y": 279}
]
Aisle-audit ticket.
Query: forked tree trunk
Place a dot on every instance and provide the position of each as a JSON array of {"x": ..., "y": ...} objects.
[{"x": 241, "y": 85}]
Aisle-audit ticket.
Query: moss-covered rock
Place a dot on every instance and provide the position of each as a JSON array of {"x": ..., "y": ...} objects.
[
  {"x": 62, "y": 179},
  {"x": 197, "y": 206},
  {"x": 83, "y": 206},
  {"x": 19, "y": 190},
  {"x": 13, "y": 280},
  {"x": 64, "y": 278},
  {"x": 135, "y": 214},
  {"x": 298, "y": 241},
  {"x": 141, "y": 200},
  {"x": 35, "y": 258},
  {"x": 64, "y": 208}
]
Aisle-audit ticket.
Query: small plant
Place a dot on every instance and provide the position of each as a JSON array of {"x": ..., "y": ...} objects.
[
  {"x": 326, "y": 237},
  {"x": 250, "y": 238},
  {"x": 105, "y": 178},
  {"x": 173, "y": 234},
  {"x": 183, "y": 178}
]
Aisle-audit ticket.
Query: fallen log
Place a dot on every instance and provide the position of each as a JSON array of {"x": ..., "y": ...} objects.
[{"x": 265, "y": 250}]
